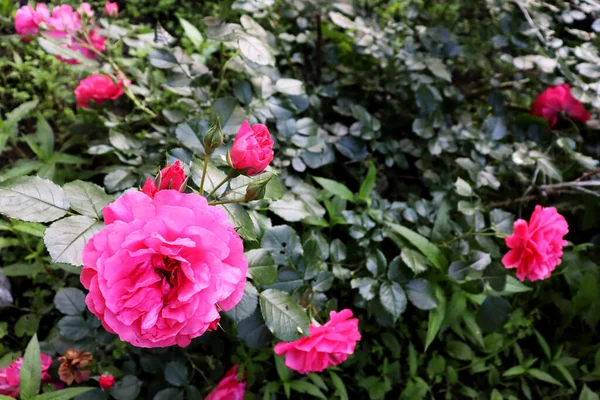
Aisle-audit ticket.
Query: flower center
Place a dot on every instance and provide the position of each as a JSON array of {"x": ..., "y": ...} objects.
[{"x": 167, "y": 269}]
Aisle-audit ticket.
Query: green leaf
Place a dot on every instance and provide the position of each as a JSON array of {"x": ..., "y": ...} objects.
[
  {"x": 417, "y": 262},
  {"x": 366, "y": 287},
  {"x": 22, "y": 269},
  {"x": 63, "y": 394},
  {"x": 262, "y": 268},
  {"x": 240, "y": 219},
  {"x": 27, "y": 324},
  {"x": 289, "y": 208},
  {"x": 169, "y": 394},
  {"x": 565, "y": 373},
  {"x": 283, "y": 243},
  {"x": 45, "y": 137},
  {"x": 338, "y": 383},
  {"x": 286, "y": 319},
  {"x": 515, "y": 371},
  {"x": 30, "y": 228},
  {"x": 87, "y": 198},
  {"x": 282, "y": 369},
  {"x": 70, "y": 301},
  {"x": 463, "y": 188},
  {"x": 367, "y": 186},
  {"x": 441, "y": 228},
  {"x": 247, "y": 304},
  {"x": 256, "y": 50},
  {"x": 17, "y": 114},
  {"x": 587, "y": 394},
  {"x": 392, "y": 298},
  {"x": 543, "y": 344},
  {"x": 430, "y": 251},
  {"x": 459, "y": 350},
  {"x": 192, "y": 32},
  {"x": 127, "y": 388},
  {"x": 493, "y": 313},
  {"x": 436, "y": 317},
  {"x": 337, "y": 250},
  {"x": 253, "y": 331},
  {"x": 33, "y": 199},
  {"x": 336, "y": 188},
  {"x": 214, "y": 176},
  {"x": 308, "y": 388},
  {"x": 31, "y": 371},
  {"x": 52, "y": 46},
  {"x": 163, "y": 59},
  {"x": 65, "y": 239},
  {"x": 513, "y": 285},
  {"x": 176, "y": 374},
  {"x": 543, "y": 376},
  {"x": 421, "y": 294},
  {"x": 73, "y": 327},
  {"x": 376, "y": 262},
  {"x": 290, "y": 87}
]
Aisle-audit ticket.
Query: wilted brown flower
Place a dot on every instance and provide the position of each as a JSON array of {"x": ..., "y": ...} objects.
[{"x": 72, "y": 362}]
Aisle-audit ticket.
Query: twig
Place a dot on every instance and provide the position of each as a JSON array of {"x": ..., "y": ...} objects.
[
  {"x": 588, "y": 174},
  {"x": 319, "y": 45},
  {"x": 530, "y": 20}
]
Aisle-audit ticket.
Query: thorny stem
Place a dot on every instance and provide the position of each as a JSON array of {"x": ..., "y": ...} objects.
[
  {"x": 204, "y": 167},
  {"x": 118, "y": 72},
  {"x": 214, "y": 203},
  {"x": 223, "y": 69}
]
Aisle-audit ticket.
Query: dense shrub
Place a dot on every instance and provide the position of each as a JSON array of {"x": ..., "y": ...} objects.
[{"x": 405, "y": 149}]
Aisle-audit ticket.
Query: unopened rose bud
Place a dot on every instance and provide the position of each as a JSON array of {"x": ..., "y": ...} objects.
[
  {"x": 213, "y": 139},
  {"x": 256, "y": 190}
]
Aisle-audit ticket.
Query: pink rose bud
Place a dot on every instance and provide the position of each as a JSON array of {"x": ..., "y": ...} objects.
[
  {"x": 229, "y": 387},
  {"x": 85, "y": 9},
  {"x": 252, "y": 149},
  {"x": 106, "y": 381},
  {"x": 172, "y": 177},
  {"x": 111, "y": 9},
  {"x": 556, "y": 99},
  {"x": 28, "y": 20},
  {"x": 536, "y": 247},
  {"x": 98, "y": 88},
  {"x": 327, "y": 345}
]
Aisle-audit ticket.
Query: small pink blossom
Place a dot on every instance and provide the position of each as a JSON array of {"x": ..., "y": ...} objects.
[
  {"x": 28, "y": 20},
  {"x": 252, "y": 149},
  {"x": 10, "y": 377},
  {"x": 111, "y": 9},
  {"x": 98, "y": 88},
  {"x": 64, "y": 21},
  {"x": 229, "y": 388},
  {"x": 556, "y": 99},
  {"x": 536, "y": 247},
  {"x": 163, "y": 267},
  {"x": 327, "y": 345},
  {"x": 106, "y": 381},
  {"x": 85, "y": 9}
]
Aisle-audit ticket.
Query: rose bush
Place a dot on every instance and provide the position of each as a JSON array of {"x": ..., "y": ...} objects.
[{"x": 293, "y": 199}]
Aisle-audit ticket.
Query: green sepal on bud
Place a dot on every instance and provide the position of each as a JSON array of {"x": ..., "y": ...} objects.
[
  {"x": 213, "y": 139},
  {"x": 257, "y": 189}
]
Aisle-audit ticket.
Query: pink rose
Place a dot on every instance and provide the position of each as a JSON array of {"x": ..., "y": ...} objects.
[
  {"x": 64, "y": 21},
  {"x": 162, "y": 268},
  {"x": 537, "y": 246},
  {"x": 98, "y": 88},
  {"x": 327, "y": 345},
  {"x": 85, "y": 9},
  {"x": 555, "y": 100},
  {"x": 10, "y": 377},
  {"x": 228, "y": 388},
  {"x": 252, "y": 149},
  {"x": 172, "y": 177},
  {"x": 28, "y": 20},
  {"x": 111, "y": 9}
]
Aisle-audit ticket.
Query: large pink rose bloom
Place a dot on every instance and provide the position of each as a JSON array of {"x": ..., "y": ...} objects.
[
  {"x": 28, "y": 20},
  {"x": 10, "y": 377},
  {"x": 252, "y": 149},
  {"x": 327, "y": 345},
  {"x": 98, "y": 88},
  {"x": 228, "y": 388},
  {"x": 537, "y": 245},
  {"x": 162, "y": 268},
  {"x": 556, "y": 99}
]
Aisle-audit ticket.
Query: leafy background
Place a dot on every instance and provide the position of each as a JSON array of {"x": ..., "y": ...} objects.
[{"x": 405, "y": 151}]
